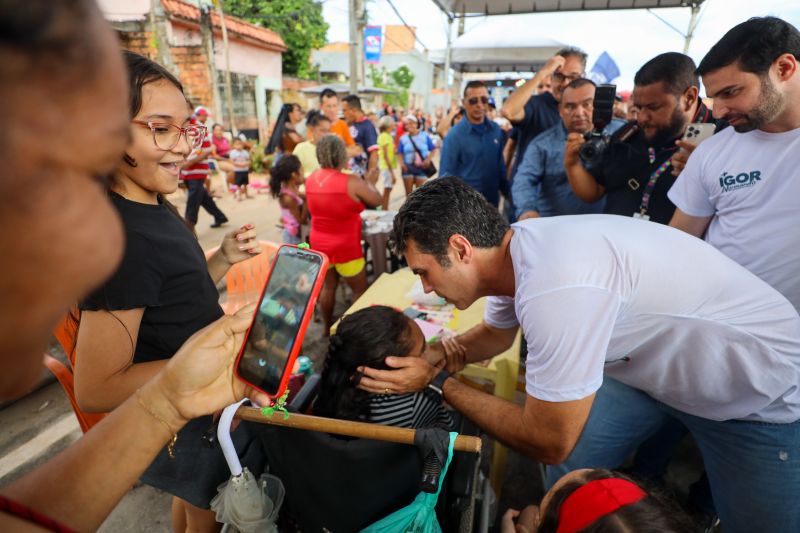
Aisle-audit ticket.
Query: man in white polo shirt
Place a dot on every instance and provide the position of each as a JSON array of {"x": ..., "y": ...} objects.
[
  {"x": 741, "y": 188},
  {"x": 683, "y": 331}
]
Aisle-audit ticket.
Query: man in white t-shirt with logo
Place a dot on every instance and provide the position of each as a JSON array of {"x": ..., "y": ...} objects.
[
  {"x": 683, "y": 331},
  {"x": 741, "y": 188}
]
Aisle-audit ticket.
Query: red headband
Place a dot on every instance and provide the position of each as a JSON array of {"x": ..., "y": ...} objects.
[{"x": 595, "y": 500}]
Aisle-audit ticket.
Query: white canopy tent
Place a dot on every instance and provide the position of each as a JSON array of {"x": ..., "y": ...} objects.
[{"x": 456, "y": 8}]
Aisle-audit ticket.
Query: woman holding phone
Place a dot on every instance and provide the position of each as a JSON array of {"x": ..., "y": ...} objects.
[{"x": 162, "y": 293}]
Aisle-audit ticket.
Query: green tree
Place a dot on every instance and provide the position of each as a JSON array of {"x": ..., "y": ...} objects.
[
  {"x": 299, "y": 23},
  {"x": 398, "y": 80}
]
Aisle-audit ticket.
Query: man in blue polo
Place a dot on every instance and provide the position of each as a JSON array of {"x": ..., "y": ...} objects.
[{"x": 473, "y": 148}]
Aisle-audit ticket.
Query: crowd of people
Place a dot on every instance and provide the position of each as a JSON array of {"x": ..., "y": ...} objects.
[{"x": 680, "y": 315}]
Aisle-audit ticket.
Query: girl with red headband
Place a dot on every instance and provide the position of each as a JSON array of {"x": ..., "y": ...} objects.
[{"x": 596, "y": 500}]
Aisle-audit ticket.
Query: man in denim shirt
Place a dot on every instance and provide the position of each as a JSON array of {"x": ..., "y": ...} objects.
[
  {"x": 473, "y": 148},
  {"x": 540, "y": 187}
]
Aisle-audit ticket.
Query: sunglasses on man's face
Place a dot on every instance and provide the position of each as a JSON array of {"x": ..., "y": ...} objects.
[{"x": 475, "y": 99}]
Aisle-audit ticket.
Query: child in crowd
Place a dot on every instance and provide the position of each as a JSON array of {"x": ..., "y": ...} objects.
[
  {"x": 387, "y": 159},
  {"x": 241, "y": 164},
  {"x": 285, "y": 180},
  {"x": 367, "y": 337},
  {"x": 598, "y": 500}
]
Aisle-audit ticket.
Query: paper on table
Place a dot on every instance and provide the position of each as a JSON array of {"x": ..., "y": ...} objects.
[{"x": 430, "y": 331}]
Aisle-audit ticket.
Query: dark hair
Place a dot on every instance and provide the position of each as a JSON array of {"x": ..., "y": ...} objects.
[
  {"x": 442, "y": 208},
  {"x": 364, "y": 338},
  {"x": 280, "y": 128},
  {"x": 578, "y": 83},
  {"x": 754, "y": 44},
  {"x": 282, "y": 172},
  {"x": 675, "y": 70},
  {"x": 327, "y": 93},
  {"x": 573, "y": 51},
  {"x": 314, "y": 117},
  {"x": 474, "y": 84},
  {"x": 142, "y": 71},
  {"x": 353, "y": 101},
  {"x": 656, "y": 513}
]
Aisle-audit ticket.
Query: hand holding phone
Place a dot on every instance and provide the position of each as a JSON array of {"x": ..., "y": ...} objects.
[
  {"x": 273, "y": 341},
  {"x": 694, "y": 135}
]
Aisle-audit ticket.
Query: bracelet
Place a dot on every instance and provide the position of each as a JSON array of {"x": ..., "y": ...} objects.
[{"x": 171, "y": 443}]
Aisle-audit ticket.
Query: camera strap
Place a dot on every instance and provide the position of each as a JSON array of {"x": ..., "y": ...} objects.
[{"x": 651, "y": 184}]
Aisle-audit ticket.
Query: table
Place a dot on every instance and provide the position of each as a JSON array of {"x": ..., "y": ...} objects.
[
  {"x": 377, "y": 226},
  {"x": 502, "y": 370}
]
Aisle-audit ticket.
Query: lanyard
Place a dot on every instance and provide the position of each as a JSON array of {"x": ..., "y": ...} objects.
[{"x": 651, "y": 183}]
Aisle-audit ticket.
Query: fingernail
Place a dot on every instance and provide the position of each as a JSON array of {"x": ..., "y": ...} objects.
[{"x": 243, "y": 247}]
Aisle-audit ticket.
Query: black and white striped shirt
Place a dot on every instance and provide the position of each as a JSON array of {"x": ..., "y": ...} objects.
[{"x": 413, "y": 410}]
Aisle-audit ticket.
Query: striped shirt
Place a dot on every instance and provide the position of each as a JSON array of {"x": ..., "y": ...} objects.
[
  {"x": 413, "y": 410},
  {"x": 199, "y": 170}
]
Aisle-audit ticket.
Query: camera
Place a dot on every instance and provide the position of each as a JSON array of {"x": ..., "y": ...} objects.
[{"x": 597, "y": 142}]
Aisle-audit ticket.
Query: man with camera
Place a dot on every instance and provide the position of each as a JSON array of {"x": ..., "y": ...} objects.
[
  {"x": 540, "y": 187},
  {"x": 473, "y": 148},
  {"x": 740, "y": 189},
  {"x": 633, "y": 169}
]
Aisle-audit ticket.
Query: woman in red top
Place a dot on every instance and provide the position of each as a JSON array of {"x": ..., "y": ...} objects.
[{"x": 335, "y": 201}]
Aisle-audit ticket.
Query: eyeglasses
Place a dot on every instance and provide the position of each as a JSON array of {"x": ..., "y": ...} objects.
[
  {"x": 474, "y": 100},
  {"x": 560, "y": 77},
  {"x": 166, "y": 136}
]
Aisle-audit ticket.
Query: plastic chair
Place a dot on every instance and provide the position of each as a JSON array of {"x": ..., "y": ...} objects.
[
  {"x": 66, "y": 332},
  {"x": 245, "y": 280}
]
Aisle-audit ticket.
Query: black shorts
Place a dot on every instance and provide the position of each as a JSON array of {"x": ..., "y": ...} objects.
[{"x": 241, "y": 177}]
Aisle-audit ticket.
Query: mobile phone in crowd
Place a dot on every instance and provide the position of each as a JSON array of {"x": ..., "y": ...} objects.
[
  {"x": 284, "y": 310},
  {"x": 697, "y": 133}
]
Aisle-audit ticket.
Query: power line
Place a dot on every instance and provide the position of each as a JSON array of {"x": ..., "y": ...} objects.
[{"x": 396, "y": 12}]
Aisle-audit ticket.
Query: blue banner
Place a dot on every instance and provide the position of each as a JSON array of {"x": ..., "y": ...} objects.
[{"x": 373, "y": 43}]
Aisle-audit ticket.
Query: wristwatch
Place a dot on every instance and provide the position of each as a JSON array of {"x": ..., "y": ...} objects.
[{"x": 437, "y": 383}]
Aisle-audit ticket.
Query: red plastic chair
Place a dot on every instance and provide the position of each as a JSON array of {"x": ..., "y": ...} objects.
[
  {"x": 67, "y": 333},
  {"x": 246, "y": 279}
]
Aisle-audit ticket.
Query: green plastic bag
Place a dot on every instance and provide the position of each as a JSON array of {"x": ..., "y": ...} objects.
[{"x": 420, "y": 515}]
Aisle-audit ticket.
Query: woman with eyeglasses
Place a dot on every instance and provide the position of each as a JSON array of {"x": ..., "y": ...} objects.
[{"x": 162, "y": 293}]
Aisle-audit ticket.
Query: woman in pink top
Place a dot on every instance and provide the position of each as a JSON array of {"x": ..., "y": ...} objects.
[{"x": 335, "y": 201}]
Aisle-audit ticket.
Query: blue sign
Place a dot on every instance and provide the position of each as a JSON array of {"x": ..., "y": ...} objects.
[
  {"x": 605, "y": 69},
  {"x": 373, "y": 43}
]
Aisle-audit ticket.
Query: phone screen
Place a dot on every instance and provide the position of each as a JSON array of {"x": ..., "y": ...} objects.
[{"x": 276, "y": 325}]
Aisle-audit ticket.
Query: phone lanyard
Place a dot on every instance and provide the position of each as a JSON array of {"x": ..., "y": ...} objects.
[{"x": 651, "y": 184}]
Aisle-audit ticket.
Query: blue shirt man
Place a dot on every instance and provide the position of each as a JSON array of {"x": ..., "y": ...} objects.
[
  {"x": 540, "y": 185},
  {"x": 473, "y": 148}
]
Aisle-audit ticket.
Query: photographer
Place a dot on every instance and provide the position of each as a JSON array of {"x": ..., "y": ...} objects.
[
  {"x": 634, "y": 172},
  {"x": 540, "y": 187}
]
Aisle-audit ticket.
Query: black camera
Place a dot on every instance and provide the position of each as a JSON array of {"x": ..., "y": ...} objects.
[{"x": 592, "y": 150}]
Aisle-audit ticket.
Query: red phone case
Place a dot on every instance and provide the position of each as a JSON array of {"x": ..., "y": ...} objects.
[{"x": 301, "y": 330}]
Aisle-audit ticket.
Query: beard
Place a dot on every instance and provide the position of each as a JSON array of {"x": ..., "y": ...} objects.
[
  {"x": 770, "y": 104},
  {"x": 672, "y": 130}
]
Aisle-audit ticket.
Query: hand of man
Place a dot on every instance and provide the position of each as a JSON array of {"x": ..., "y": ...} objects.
[
  {"x": 528, "y": 214},
  {"x": 680, "y": 157},
  {"x": 553, "y": 64},
  {"x": 199, "y": 379},
  {"x": 412, "y": 374},
  {"x": 455, "y": 355},
  {"x": 572, "y": 149}
]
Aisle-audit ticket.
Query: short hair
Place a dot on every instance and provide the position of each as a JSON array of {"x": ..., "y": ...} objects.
[
  {"x": 314, "y": 117},
  {"x": 674, "y": 70},
  {"x": 573, "y": 51},
  {"x": 386, "y": 123},
  {"x": 331, "y": 152},
  {"x": 327, "y": 93},
  {"x": 474, "y": 84},
  {"x": 755, "y": 44},
  {"x": 353, "y": 101},
  {"x": 444, "y": 207},
  {"x": 579, "y": 82}
]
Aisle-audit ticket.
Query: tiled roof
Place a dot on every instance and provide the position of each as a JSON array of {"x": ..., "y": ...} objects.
[{"x": 187, "y": 11}]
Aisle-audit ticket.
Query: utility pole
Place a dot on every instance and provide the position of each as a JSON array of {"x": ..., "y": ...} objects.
[
  {"x": 361, "y": 12},
  {"x": 447, "y": 54},
  {"x": 354, "y": 43},
  {"x": 156, "y": 19},
  {"x": 207, "y": 34},
  {"x": 228, "y": 92}
]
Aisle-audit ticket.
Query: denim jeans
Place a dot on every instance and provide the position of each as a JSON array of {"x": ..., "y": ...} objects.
[{"x": 753, "y": 467}]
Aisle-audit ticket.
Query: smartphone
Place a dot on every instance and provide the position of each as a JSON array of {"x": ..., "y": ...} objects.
[
  {"x": 273, "y": 340},
  {"x": 697, "y": 133}
]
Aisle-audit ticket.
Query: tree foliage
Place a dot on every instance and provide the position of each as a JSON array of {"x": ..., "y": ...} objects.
[
  {"x": 299, "y": 23},
  {"x": 398, "y": 80}
]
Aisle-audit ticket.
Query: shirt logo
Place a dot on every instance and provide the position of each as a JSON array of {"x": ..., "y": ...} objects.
[{"x": 731, "y": 182}]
